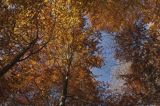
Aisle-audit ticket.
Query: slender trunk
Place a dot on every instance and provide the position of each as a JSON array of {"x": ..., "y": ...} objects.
[
  {"x": 64, "y": 92},
  {"x": 66, "y": 81}
]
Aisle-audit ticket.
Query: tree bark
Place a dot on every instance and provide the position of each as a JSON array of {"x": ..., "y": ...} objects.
[{"x": 64, "y": 92}]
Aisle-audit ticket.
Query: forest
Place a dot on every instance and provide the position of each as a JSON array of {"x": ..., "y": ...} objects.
[{"x": 50, "y": 48}]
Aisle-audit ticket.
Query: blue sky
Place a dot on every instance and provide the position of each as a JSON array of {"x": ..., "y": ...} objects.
[
  {"x": 107, "y": 42},
  {"x": 104, "y": 73}
]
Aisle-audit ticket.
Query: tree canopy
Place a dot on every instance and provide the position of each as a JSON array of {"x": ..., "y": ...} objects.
[{"x": 48, "y": 49}]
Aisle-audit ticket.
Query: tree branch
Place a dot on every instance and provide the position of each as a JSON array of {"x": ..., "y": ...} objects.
[{"x": 16, "y": 59}]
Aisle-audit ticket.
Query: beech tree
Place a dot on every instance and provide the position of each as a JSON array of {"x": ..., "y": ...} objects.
[
  {"x": 22, "y": 34},
  {"x": 24, "y": 30},
  {"x": 76, "y": 47},
  {"x": 138, "y": 43}
]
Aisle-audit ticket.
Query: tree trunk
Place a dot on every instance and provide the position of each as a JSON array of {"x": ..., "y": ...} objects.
[{"x": 64, "y": 92}]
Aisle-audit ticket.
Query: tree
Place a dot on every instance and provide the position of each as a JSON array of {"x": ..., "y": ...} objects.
[
  {"x": 76, "y": 47},
  {"x": 24, "y": 30},
  {"x": 22, "y": 34},
  {"x": 135, "y": 25},
  {"x": 139, "y": 44}
]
